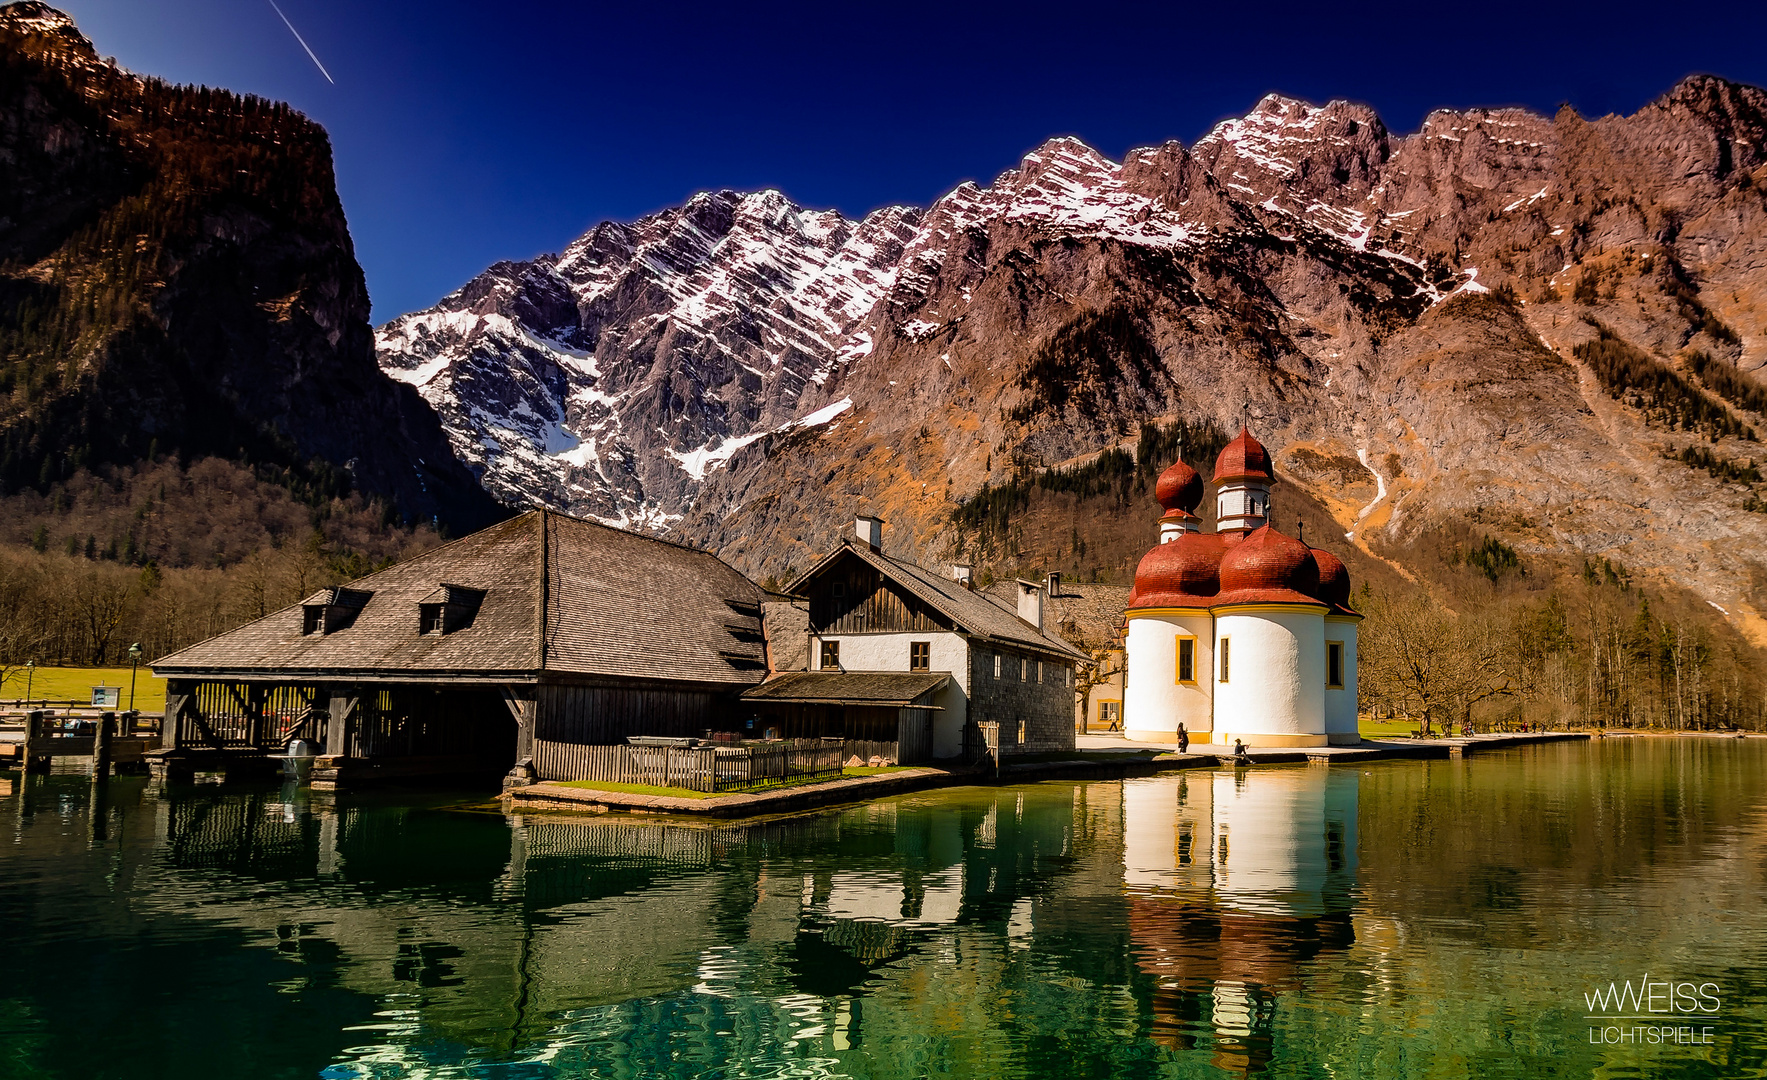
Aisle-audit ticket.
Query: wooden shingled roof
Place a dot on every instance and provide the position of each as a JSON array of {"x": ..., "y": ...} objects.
[
  {"x": 614, "y": 604},
  {"x": 900, "y": 688}
]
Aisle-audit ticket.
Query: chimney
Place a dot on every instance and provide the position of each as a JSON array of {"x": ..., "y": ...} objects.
[
  {"x": 1030, "y": 603},
  {"x": 870, "y": 531},
  {"x": 963, "y": 574},
  {"x": 1053, "y": 585}
]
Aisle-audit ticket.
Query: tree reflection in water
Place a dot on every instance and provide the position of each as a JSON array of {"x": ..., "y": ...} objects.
[{"x": 1274, "y": 920}]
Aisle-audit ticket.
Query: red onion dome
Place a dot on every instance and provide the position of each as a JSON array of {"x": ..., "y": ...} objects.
[
  {"x": 1334, "y": 579},
  {"x": 1180, "y": 488},
  {"x": 1243, "y": 458},
  {"x": 1183, "y": 573},
  {"x": 1268, "y": 567}
]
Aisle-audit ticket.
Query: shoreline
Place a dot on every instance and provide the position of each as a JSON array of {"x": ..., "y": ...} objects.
[{"x": 552, "y": 795}]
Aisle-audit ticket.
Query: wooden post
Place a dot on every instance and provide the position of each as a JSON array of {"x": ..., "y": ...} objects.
[
  {"x": 524, "y": 706},
  {"x": 172, "y": 734},
  {"x": 337, "y": 727},
  {"x": 34, "y": 763},
  {"x": 107, "y": 726}
]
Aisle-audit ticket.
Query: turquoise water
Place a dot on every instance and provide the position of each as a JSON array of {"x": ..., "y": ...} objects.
[{"x": 1413, "y": 919}]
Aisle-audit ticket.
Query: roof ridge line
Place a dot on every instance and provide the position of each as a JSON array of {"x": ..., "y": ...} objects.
[{"x": 544, "y": 598}]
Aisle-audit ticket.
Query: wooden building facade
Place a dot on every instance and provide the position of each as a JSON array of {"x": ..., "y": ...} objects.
[
  {"x": 868, "y": 613},
  {"x": 543, "y": 628}
]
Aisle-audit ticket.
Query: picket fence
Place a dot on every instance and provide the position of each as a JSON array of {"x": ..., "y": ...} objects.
[{"x": 696, "y": 768}]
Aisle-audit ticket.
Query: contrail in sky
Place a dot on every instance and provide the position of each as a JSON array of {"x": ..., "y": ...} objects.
[{"x": 304, "y": 44}]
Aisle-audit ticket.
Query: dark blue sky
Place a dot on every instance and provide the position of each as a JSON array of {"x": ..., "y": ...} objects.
[{"x": 468, "y": 132}]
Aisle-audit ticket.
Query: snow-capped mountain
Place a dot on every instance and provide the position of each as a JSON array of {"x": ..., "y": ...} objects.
[
  {"x": 1400, "y": 313},
  {"x": 609, "y": 379}
]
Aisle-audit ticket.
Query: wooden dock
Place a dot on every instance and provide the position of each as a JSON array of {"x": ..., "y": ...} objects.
[{"x": 104, "y": 738}]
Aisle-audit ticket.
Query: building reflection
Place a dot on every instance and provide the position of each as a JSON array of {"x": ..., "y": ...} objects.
[
  {"x": 1178, "y": 909},
  {"x": 1235, "y": 880}
]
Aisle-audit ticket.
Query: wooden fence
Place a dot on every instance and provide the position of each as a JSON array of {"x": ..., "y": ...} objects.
[{"x": 697, "y": 768}]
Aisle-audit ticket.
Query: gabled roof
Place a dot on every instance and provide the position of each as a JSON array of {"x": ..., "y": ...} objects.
[
  {"x": 901, "y": 688},
  {"x": 974, "y": 613},
  {"x": 561, "y": 596}
]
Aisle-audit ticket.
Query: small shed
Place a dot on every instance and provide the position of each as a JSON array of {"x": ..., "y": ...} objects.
[
  {"x": 887, "y": 714},
  {"x": 482, "y": 656}
]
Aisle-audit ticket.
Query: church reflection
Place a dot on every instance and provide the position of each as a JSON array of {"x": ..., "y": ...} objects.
[{"x": 1235, "y": 880}]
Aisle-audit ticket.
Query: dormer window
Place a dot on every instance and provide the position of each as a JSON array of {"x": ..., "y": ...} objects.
[
  {"x": 449, "y": 608},
  {"x": 330, "y": 610}
]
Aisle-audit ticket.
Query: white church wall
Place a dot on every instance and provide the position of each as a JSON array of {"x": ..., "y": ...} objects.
[
  {"x": 1154, "y": 701},
  {"x": 1340, "y": 704},
  {"x": 1275, "y": 691}
]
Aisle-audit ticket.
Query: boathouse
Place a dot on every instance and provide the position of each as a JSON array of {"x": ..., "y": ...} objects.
[
  {"x": 492, "y": 654},
  {"x": 983, "y": 662}
]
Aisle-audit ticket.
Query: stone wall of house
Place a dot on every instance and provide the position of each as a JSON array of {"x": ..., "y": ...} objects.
[{"x": 1040, "y": 704}]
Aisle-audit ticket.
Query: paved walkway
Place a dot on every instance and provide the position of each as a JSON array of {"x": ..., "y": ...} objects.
[{"x": 1368, "y": 749}]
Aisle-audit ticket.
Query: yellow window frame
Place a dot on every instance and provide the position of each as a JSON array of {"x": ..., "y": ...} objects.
[{"x": 1178, "y": 660}]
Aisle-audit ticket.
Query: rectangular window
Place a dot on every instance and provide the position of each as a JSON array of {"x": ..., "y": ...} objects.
[
  {"x": 1334, "y": 665},
  {"x": 1039, "y": 671},
  {"x": 1024, "y": 670},
  {"x": 1187, "y": 660},
  {"x": 996, "y": 665},
  {"x": 1110, "y": 715},
  {"x": 1224, "y": 654},
  {"x": 831, "y": 655},
  {"x": 920, "y": 655},
  {"x": 838, "y": 589}
]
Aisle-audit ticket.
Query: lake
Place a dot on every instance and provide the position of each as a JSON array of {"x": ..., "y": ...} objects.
[{"x": 1565, "y": 910}]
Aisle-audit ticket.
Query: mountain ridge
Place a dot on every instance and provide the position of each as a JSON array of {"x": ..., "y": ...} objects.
[{"x": 1416, "y": 302}]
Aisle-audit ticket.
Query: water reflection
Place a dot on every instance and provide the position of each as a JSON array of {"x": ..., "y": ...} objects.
[{"x": 1214, "y": 923}]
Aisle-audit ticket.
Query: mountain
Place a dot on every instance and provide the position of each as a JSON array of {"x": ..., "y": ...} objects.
[
  {"x": 610, "y": 379},
  {"x": 176, "y": 275},
  {"x": 1552, "y": 329}
]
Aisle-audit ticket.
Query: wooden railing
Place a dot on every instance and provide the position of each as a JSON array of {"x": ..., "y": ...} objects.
[{"x": 696, "y": 768}]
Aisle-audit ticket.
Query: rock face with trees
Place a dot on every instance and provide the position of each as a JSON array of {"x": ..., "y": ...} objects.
[{"x": 176, "y": 276}]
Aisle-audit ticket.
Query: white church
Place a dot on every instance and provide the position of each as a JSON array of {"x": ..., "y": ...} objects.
[{"x": 1243, "y": 633}]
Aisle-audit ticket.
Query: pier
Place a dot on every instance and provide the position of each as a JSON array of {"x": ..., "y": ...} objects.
[{"x": 105, "y": 739}]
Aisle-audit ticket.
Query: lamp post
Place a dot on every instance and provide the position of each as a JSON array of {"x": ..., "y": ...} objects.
[
  {"x": 30, "y": 677},
  {"x": 135, "y": 661}
]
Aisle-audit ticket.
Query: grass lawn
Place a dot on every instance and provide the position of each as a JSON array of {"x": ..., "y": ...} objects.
[
  {"x": 64, "y": 684},
  {"x": 1385, "y": 729},
  {"x": 688, "y": 793}
]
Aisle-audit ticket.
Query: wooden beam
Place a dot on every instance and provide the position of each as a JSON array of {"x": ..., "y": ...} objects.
[{"x": 337, "y": 726}]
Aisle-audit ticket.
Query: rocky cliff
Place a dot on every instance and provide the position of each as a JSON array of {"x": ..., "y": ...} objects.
[
  {"x": 176, "y": 275},
  {"x": 1552, "y": 327}
]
